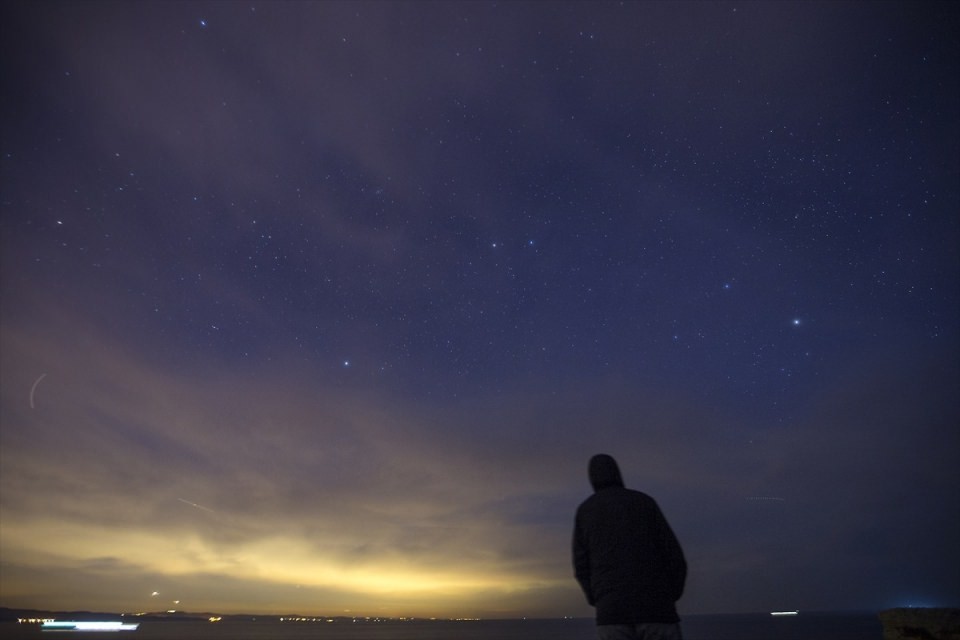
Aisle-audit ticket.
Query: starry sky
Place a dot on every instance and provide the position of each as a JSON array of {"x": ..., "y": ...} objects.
[{"x": 323, "y": 307}]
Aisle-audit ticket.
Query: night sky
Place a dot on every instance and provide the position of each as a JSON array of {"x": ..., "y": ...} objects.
[{"x": 324, "y": 307}]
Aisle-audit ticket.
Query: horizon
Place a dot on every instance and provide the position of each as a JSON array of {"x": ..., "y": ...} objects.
[
  {"x": 325, "y": 306},
  {"x": 324, "y": 616}
]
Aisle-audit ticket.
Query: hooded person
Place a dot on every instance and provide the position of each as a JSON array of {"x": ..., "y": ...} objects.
[{"x": 627, "y": 559}]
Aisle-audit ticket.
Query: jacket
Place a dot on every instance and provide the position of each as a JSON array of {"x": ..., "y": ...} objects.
[{"x": 626, "y": 558}]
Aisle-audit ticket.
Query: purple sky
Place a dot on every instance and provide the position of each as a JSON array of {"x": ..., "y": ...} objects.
[{"x": 323, "y": 307}]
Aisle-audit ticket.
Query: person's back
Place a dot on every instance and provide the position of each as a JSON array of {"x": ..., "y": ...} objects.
[{"x": 626, "y": 558}]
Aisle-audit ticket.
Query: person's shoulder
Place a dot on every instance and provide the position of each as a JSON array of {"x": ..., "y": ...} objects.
[
  {"x": 592, "y": 502},
  {"x": 616, "y": 494}
]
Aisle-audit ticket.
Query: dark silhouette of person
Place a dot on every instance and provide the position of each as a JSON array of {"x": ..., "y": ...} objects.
[{"x": 627, "y": 559}]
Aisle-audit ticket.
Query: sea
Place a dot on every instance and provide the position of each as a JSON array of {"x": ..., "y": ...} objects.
[{"x": 760, "y": 626}]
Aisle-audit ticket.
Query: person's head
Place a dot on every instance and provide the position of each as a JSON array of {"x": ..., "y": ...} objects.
[{"x": 604, "y": 472}]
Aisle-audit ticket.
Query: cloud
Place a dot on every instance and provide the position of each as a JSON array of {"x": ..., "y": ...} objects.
[
  {"x": 288, "y": 476},
  {"x": 131, "y": 467},
  {"x": 279, "y": 478}
]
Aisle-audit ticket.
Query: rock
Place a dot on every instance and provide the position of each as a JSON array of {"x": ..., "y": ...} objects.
[{"x": 921, "y": 624}]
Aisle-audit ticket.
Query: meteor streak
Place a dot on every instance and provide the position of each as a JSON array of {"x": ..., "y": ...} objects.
[
  {"x": 34, "y": 387},
  {"x": 194, "y": 504}
]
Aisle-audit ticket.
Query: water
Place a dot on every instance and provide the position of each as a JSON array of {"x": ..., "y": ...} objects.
[{"x": 806, "y": 626}]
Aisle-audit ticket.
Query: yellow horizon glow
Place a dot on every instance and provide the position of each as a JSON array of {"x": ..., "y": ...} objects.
[{"x": 277, "y": 560}]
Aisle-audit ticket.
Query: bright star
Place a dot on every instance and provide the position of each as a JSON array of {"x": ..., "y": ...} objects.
[
  {"x": 203, "y": 23},
  {"x": 796, "y": 322}
]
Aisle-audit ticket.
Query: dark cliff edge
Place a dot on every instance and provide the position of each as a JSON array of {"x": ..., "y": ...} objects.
[{"x": 920, "y": 624}]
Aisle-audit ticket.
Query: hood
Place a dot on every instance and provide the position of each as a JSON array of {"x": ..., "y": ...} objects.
[{"x": 604, "y": 472}]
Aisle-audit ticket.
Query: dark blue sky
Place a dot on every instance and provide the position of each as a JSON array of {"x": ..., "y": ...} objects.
[{"x": 328, "y": 304}]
